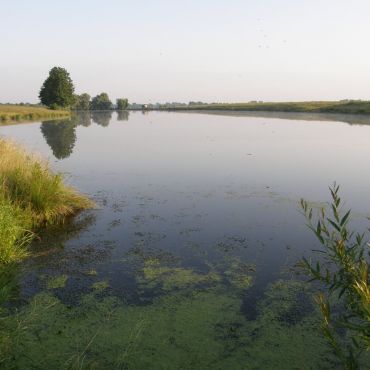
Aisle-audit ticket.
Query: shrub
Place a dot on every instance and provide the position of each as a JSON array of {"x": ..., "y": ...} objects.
[{"x": 344, "y": 272}]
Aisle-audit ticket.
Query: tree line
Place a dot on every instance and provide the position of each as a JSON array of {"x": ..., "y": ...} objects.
[{"x": 58, "y": 91}]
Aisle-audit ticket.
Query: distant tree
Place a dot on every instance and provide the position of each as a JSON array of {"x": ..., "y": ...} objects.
[
  {"x": 122, "y": 104},
  {"x": 101, "y": 102},
  {"x": 57, "y": 90},
  {"x": 82, "y": 102}
]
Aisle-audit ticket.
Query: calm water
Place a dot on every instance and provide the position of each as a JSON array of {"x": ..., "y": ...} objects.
[{"x": 187, "y": 263}]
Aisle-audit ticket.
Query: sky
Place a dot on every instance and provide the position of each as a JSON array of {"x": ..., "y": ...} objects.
[{"x": 207, "y": 50}]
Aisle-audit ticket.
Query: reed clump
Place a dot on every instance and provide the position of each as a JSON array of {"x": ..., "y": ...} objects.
[{"x": 31, "y": 197}]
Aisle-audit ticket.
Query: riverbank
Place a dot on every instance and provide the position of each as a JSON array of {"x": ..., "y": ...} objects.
[
  {"x": 10, "y": 113},
  {"x": 343, "y": 107},
  {"x": 31, "y": 197}
]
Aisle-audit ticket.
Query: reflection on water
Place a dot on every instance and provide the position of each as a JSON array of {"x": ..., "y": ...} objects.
[
  {"x": 352, "y": 119},
  {"x": 123, "y": 115},
  {"x": 188, "y": 260},
  {"x": 101, "y": 118},
  {"x": 60, "y": 136},
  {"x": 83, "y": 118}
]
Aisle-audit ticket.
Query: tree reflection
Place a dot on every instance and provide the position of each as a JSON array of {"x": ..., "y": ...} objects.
[
  {"x": 82, "y": 118},
  {"x": 60, "y": 135},
  {"x": 101, "y": 118},
  {"x": 123, "y": 115}
]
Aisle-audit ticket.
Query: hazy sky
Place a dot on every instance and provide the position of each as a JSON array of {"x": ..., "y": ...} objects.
[{"x": 169, "y": 50}]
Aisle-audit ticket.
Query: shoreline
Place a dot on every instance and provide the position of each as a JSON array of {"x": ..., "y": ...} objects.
[{"x": 339, "y": 107}]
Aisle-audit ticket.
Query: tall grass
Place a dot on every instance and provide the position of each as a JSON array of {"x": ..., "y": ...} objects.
[
  {"x": 10, "y": 113},
  {"x": 31, "y": 196},
  {"x": 14, "y": 235}
]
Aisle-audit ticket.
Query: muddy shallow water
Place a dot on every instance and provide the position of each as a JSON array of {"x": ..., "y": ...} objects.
[{"x": 188, "y": 260}]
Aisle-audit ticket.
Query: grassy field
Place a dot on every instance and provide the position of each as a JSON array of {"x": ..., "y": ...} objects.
[
  {"x": 346, "y": 107},
  {"x": 31, "y": 197},
  {"x": 11, "y": 113}
]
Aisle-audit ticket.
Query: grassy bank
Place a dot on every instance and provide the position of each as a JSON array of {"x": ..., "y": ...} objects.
[
  {"x": 346, "y": 107},
  {"x": 11, "y": 113},
  {"x": 31, "y": 197}
]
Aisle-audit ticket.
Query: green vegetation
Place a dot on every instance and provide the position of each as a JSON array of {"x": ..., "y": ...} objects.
[
  {"x": 122, "y": 104},
  {"x": 173, "y": 278},
  {"x": 82, "y": 102},
  {"x": 191, "y": 326},
  {"x": 13, "y": 112},
  {"x": 57, "y": 282},
  {"x": 344, "y": 272},
  {"x": 57, "y": 90},
  {"x": 348, "y": 107},
  {"x": 101, "y": 102},
  {"x": 31, "y": 196}
]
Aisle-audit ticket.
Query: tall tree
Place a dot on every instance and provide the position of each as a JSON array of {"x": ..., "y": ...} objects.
[
  {"x": 101, "y": 102},
  {"x": 82, "y": 102},
  {"x": 57, "y": 90},
  {"x": 122, "y": 104}
]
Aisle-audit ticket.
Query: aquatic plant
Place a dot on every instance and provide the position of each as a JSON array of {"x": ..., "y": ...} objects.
[
  {"x": 57, "y": 282},
  {"x": 343, "y": 269},
  {"x": 180, "y": 330},
  {"x": 167, "y": 278}
]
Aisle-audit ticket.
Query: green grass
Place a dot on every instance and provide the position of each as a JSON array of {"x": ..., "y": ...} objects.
[
  {"x": 31, "y": 197},
  {"x": 347, "y": 107},
  {"x": 12, "y": 113}
]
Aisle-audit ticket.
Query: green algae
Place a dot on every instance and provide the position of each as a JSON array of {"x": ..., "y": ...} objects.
[
  {"x": 100, "y": 286},
  {"x": 237, "y": 273},
  {"x": 92, "y": 272},
  {"x": 57, "y": 282},
  {"x": 172, "y": 278},
  {"x": 200, "y": 329}
]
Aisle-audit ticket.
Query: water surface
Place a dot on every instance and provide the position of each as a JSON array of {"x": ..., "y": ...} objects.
[{"x": 188, "y": 261}]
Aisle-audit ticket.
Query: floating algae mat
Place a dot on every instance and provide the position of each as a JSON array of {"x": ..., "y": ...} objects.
[
  {"x": 188, "y": 260},
  {"x": 190, "y": 326}
]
